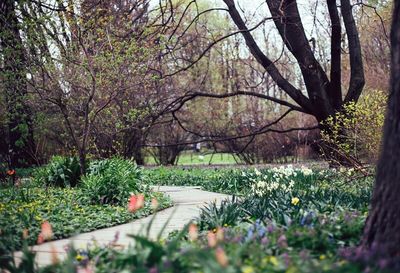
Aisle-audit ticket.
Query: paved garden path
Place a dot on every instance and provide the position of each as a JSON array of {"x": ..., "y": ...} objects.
[{"x": 187, "y": 204}]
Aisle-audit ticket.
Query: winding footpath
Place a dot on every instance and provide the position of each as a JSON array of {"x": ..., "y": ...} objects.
[{"x": 187, "y": 204}]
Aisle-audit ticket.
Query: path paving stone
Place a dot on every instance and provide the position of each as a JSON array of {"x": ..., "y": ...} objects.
[{"x": 187, "y": 204}]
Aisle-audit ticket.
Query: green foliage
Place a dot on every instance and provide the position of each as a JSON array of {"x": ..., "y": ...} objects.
[
  {"x": 357, "y": 130},
  {"x": 286, "y": 220},
  {"x": 272, "y": 192},
  {"x": 232, "y": 181},
  {"x": 218, "y": 180},
  {"x": 214, "y": 215},
  {"x": 112, "y": 181},
  {"x": 28, "y": 207},
  {"x": 59, "y": 172},
  {"x": 25, "y": 172}
]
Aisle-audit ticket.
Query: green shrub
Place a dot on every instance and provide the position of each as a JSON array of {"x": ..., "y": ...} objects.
[
  {"x": 357, "y": 130},
  {"x": 59, "y": 172},
  {"x": 112, "y": 181}
]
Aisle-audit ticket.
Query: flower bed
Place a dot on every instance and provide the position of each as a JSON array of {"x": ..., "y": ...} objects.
[
  {"x": 281, "y": 220},
  {"x": 98, "y": 200},
  {"x": 27, "y": 208}
]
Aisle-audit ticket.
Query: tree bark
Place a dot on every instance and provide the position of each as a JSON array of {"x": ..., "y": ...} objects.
[
  {"x": 133, "y": 144},
  {"x": 82, "y": 161},
  {"x": 20, "y": 131},
  {"x": 381, "y": 233},
  {"x": 335, "y": 84}
]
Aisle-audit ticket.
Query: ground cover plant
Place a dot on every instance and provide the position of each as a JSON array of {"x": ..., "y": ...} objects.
[
  {"x": 99, "y": 200},
  {"x": 280, "y": 220}
]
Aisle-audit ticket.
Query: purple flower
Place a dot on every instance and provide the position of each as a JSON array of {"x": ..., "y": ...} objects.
[
  {"x": 167, "y": 264},
  {"x": 264, "y": 241},
  {"x": 304, "y": 254},
  {"x": 286, "y": 258},
  {"x": 154, "y": 269},
  {"x": 383, "y": 263},
  {"x": 282, "y": 242},
  {"x": 271, "y": 228},
  {"x": 308, "y": 219},
  {"x": 250, "y": 234}
]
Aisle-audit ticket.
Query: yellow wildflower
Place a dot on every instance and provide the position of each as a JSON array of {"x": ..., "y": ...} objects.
[
  {"x": 273, "y": 260},
  {"x": 295, "y": 201},
  {"x": 291, "y": 270},
  {"x": 247, "y": 269}
]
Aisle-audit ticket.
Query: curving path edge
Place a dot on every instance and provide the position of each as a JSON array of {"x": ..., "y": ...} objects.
[{"x": 187, "y": 204}]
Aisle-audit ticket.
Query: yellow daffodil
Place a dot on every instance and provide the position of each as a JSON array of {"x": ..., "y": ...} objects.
[
  {"x": 247, "y": 269},
  {"x": 273, "y": 260},
  {"x": 295, "y": 201}
]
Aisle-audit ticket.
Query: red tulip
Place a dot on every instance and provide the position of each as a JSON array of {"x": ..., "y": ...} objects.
[
  {"x": 11, "y": 172},
  {"x": 135, "y": 202},
  {"x": 47, "y": 231}
]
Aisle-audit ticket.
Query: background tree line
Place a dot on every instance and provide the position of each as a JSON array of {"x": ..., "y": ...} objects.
[{"x": 131, "y": 78}]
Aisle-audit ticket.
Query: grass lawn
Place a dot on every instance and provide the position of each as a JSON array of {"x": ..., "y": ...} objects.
[{"x": 190, "y": 158}]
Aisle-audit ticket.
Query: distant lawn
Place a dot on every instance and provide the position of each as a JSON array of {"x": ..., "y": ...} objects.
[{"x": 200, "y": 158}]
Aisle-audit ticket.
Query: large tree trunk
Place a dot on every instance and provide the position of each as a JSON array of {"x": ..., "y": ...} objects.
[
  {"x": 133, "y": 145},
  {"x": 20, "y": 132},
  {"x": 382, "y": 229},
  {"x": 168, "y": 155}
]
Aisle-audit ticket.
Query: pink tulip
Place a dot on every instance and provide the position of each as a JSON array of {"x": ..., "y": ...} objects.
[
  {"x": 46, "y": 231},
  {"x": 193, "y": 233},
  {"x": 135, "y": 202},
  {"x": 212, "y": 239},
  {"x": 154, "y": 203},
  {"x": 220, "y": 234},
  {"x": 221, "y": 257},
  {"x": 40, "y": 239}
]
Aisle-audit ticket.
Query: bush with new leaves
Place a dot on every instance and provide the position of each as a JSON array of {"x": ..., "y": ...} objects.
[{"x": 357, "y": 130}]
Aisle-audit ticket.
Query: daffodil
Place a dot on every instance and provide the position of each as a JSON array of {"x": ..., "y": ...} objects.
[
  {"x": 295, "y": 201},
  {"x": 273, "y": 260},
  {"x": 247, "y": 269}
]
